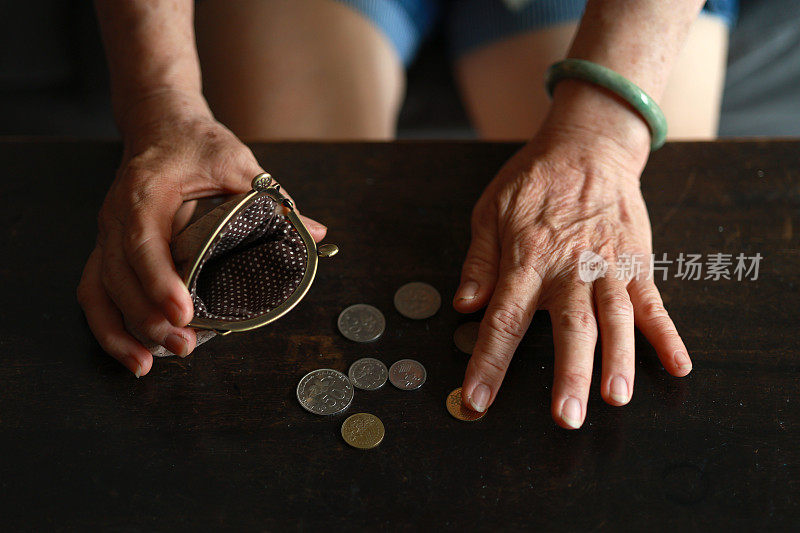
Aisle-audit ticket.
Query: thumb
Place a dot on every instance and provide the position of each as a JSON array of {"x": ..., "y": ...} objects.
[
  {"x": 479, "y": 272},
  {"x": 253, "y": 169},
  {"x": 316, "y": 229}
]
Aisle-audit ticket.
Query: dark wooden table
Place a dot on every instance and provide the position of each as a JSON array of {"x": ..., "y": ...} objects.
[{"x": 218, "y": 439}]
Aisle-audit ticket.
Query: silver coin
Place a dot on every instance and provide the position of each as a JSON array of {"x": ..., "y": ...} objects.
[
  {"x": 361, "y": 323},
  {"x": 368, "y": 374},
  {"x": 325, "y": 392},
  {"x": 407, "y": 374},
  {"x": 417, "y": 300},
  {"x": 466, "y": 336}
]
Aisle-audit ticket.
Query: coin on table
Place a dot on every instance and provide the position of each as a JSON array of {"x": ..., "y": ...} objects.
[
  {"x": 361, "y": 323},
  {"x": 457, "y": 409},
  {"x": 363, "y": 431},
  {"x": 417, "y": 300},
  {"x": 368, "y": 374},
  {"x": 325, "y": 392},
  {"x": 407, "y": 374},
  {"x": 466, "y": 336}
]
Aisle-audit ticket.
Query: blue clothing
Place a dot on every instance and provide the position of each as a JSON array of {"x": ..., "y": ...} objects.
[{"x": 475, "y": 23}]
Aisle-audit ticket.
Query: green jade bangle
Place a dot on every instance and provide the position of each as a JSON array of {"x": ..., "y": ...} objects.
[{"x": 617, "y": 84}]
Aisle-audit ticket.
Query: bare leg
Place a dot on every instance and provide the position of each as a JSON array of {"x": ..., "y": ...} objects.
[
  {"x": 292, "y": 69},
  {"x": 502, "y": 84},
  {"x": 693, "y": 95}
]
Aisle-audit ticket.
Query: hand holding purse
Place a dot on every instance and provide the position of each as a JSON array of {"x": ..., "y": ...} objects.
[{"x": 245, "y": 263}]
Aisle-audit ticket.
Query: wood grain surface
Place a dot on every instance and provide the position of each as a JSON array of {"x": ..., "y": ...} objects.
[{"x": 218, "y": 440}]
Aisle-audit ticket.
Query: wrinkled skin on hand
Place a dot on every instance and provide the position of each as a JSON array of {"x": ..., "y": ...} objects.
[
  {"x": 550, "y": 203},
  {"x": 174, "y": 154}
]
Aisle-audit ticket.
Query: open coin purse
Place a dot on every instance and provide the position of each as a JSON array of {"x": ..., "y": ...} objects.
[{"x": 245, "y": 263}]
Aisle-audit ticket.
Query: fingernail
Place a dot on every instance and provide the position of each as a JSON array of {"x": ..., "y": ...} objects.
[
  {"x": 683, "y": 361},
  {"x": 479, "y": 398},
  {"x": 174, "y": 312},
  {"x": 176, "y": 344},
  {"x": 138, "y": 372},
  {"x": 618, "y": 390},
  {"x": 467, "y": 291},
  {"x": 571, "y": 412}
]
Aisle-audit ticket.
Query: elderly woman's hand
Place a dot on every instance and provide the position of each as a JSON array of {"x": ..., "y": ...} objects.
[
  {"x": 574, "y": 188},
  {"x": 175, "y": 152}
]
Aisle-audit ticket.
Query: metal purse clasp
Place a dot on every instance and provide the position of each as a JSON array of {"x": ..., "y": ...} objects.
[{"x": 264, "y": 183}]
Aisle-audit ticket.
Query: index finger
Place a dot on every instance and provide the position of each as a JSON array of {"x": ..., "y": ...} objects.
[
  {"x": 146, "y": 242},
  {"x": 507, "y": 318}
]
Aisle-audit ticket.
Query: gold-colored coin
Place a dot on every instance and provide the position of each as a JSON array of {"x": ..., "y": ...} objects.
[
  {"x": 363, "y": 431},
  {"x": 460, "y": 412}
]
